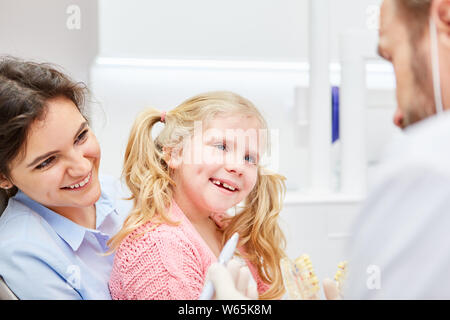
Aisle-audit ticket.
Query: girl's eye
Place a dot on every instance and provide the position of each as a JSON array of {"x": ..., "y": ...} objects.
[
  {"x": 221, "y": 146},
  {"x": 250, "y": 159},
  {"x": 82, "y": 136},
  {"x": 46, "y": 163}
]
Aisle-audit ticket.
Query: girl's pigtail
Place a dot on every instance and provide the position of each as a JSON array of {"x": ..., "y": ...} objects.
[{"x": 146, "y": 174}]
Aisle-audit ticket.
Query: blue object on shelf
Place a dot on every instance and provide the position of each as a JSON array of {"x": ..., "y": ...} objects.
[{"x": 334, "y": 114}]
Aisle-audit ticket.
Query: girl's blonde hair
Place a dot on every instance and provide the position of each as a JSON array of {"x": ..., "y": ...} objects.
[{"x": 148, "y": 177}]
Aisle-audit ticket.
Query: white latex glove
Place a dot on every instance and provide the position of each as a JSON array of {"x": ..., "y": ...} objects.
[
  {"x": 331, "y": 290},
  {"x": 233, "y": 282}
]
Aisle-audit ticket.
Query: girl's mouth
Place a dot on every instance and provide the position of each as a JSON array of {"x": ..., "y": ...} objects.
[{"x": 224, "y": 185}]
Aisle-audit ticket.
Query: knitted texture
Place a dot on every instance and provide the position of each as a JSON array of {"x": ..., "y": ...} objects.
[{"x": 166, "y": 263}]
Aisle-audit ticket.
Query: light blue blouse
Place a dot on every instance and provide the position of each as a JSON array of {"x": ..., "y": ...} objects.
[{"x": 44, "y": 255}]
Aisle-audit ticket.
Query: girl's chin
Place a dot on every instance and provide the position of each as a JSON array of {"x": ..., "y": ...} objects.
[{"x": 219, "y": 209}]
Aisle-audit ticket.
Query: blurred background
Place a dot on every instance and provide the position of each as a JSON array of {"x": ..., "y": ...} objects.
[{"x": 139, "y": 53}]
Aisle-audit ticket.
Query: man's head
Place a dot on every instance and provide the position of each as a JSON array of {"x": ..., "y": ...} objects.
[{"x": 405, "y": 41}]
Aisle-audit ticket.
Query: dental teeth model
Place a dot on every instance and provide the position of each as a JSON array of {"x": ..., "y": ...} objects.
[
  {"x": 300, "y": 279},
  {"x": 290, "y": 279},
  {"x": 340, "y": 275}
]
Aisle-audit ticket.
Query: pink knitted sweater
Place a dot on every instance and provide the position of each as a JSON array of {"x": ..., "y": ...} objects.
[{"x": 169, "y": 262}]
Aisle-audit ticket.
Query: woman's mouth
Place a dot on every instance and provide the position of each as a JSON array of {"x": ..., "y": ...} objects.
[{"x": 81, "y": 184}]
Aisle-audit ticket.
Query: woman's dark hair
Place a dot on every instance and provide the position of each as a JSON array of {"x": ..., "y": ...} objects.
[{"x": 25, "y": 88}]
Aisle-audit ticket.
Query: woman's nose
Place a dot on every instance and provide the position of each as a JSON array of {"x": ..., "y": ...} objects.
[{"x": 79, "y": 165}]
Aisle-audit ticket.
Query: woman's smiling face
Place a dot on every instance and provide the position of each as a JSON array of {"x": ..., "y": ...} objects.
[{"x": 59, "y": 166}]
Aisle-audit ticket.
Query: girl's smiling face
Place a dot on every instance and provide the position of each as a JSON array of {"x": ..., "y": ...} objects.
[
  {"x": 218, "y": 167},
  {"x": 59, "y": 168}
]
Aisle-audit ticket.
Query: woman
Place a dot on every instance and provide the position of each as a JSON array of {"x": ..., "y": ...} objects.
[{"x": 60, "y": 214}]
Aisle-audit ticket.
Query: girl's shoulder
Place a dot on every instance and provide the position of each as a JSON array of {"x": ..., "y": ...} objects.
[
  {"x": 151, "y": 232},
  {"x": 152, "y": 240}
]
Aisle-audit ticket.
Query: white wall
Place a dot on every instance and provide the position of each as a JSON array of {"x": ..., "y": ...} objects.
[
  {"x": 217, "y": 29},
  {"x": 38, "y": 30},
  {"x": 232, "y": 29}
]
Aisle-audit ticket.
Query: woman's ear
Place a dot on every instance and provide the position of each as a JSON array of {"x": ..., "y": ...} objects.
[{"x": 5, "y": 183}]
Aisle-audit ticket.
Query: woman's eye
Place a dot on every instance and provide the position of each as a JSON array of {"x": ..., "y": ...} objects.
[
  {"x": 46, "y": 163},
  {"x": 82, "y": 136}
]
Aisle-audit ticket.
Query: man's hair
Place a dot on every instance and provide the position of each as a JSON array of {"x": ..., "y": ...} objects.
[{"x": 416, "y": 15}]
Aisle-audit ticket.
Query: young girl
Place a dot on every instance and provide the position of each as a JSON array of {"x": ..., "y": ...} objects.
[{"x": 204, "y": 161}]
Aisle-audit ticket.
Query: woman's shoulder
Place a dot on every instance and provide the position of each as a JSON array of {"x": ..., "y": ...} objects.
[
  {"x": 24, "y": 233},
  {"x": 24, "y": 230},
  {"x": 19, "y": 222}
]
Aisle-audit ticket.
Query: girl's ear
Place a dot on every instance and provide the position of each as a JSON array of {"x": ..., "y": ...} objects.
[{"x": 173, "y": 157}]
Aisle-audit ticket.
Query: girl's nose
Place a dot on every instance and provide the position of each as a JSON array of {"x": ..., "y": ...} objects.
[{"x": 234, "y": 166}]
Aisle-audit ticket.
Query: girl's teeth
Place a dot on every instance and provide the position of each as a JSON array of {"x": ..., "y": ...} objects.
[
  {"x": 228, "y": 187},
  {"x": 224, "y": 185}
]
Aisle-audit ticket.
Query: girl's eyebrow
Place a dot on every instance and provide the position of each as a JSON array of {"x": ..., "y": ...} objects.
[
  {"x": 42, "y": 157},
  {"x": 215, "y": 138},
  {"x": 232, "y": 142}
]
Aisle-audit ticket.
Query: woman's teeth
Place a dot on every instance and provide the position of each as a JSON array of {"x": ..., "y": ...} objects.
[
  {"x": 81, "y": 184},
  {"x": 223, "y": 184}
]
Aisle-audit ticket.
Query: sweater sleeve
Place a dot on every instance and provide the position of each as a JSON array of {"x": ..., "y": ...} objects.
[{"x": 161, "y": 265}]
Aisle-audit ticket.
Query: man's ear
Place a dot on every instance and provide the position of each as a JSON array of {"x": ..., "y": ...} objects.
[
  {"x": 5, "y": 183},
  {"x": 440, "y": 12}
]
